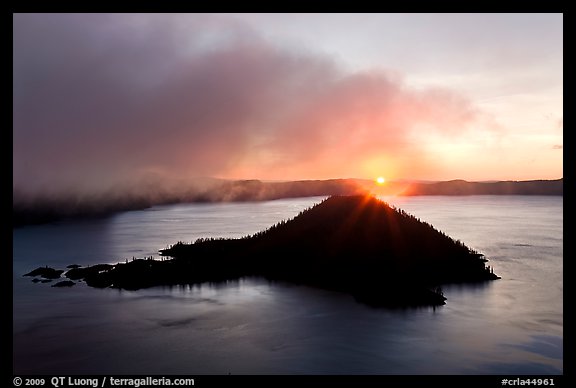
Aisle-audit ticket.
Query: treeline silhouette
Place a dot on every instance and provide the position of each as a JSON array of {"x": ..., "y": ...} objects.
[{"x": 356, "y": 244}]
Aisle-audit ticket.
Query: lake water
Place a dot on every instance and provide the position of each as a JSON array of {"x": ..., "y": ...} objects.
[{"x": 509, "y": 326}]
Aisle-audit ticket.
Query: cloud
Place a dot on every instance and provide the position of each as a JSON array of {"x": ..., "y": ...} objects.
[
  {"x": 102, "y": 99},
  {"x": 557, "y": 147}
]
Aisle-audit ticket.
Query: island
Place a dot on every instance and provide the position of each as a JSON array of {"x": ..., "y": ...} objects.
[{"x": 359, "y": 245}]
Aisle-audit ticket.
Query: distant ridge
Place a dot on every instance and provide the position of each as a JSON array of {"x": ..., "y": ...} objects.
[
  {"x": 355, "y": 244},
  {"x": 26, "y": 211},
  {"x": 462, "y": 187}
]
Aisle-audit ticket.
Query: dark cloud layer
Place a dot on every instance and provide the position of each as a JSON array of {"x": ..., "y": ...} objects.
[{"x": 103, "y": 99}]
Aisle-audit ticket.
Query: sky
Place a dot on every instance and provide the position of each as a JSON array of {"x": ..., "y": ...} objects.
[{"x": 100, "y": 99}]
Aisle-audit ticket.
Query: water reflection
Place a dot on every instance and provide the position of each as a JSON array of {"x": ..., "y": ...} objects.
[{"x": 63, "y": 243}]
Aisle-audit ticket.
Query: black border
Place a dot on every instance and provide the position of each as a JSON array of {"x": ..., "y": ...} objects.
[{"x": 333, "y": 380}]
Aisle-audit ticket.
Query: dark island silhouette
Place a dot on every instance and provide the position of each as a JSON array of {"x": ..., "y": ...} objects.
[{"x": 355, "y": 244}]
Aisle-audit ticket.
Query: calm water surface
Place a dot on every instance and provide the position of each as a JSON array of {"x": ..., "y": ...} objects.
[{"x": 510, "y": 326}]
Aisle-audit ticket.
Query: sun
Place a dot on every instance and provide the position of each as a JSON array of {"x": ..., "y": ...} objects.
[{"x": 380, "y": 180}]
